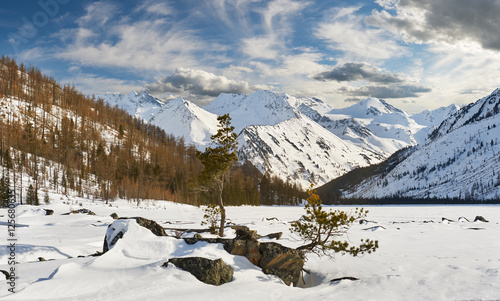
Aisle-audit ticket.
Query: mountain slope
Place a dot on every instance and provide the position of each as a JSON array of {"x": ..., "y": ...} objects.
[
  {"x": 300, "y": 150},
  {"x": 182, "y": 118},
  {"x": 365, "y": 133},
  {"x": 460, "y": 161},
  {"x": 141, "y": 105}
]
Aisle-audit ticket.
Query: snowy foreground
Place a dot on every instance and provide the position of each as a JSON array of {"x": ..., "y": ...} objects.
[{"x": 420, "y": 256}]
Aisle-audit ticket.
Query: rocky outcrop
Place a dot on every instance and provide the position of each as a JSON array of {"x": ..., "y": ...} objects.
[
  {"x": 215, "y": 272},
  {"x": 284, "y": 262},
  {"x": 149, "y": 224},
  {"x": 479, "y": 218},
  {"x": 273, "y": 258},
  {"x": 114, "y": 233},
  {"x": 80, "y": 211}
]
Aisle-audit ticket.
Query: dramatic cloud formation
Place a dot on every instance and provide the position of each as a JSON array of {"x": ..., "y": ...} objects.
[
  {"x": 393, "y": 91},
  {"x": 449, "y": 21},
  {"x": 359, "y": 71},
  {"x": 334, "y": 50},
  {"x": 198, "y": 83}
]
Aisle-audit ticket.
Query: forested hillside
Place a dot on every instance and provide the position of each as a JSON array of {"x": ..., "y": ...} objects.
[{"x": 55, "y": 138}]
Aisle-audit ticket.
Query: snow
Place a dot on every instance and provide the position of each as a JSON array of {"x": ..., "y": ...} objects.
[
  {"x": 460, "y": 162},
  {"x": 369, "y": 131},
  {"x": 420, "y": 256}
]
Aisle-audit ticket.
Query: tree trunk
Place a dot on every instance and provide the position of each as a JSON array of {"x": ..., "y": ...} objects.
[{"x": 222, "y": 210}]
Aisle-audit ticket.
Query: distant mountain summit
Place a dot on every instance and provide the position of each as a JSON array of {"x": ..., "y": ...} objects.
[
  {"x": 301, "y": 139},
  {"x": 460, "y": 160}
]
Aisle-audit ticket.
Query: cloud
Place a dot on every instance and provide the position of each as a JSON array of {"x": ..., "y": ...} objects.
[
  {"x": 98, "y": 13},
  {"x": 347, "y": 32},
  {"x": 392, "y": 91},
  {"x": 359, "y": 71},
  {"x": 443, "y": 21},
  {"x": 94, "y": 83},
  {"x": 156, "y": 8},
  {"x": 198, "y": 83}
]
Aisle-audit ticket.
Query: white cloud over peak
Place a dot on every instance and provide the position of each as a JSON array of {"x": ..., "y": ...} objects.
[{"x": 199, "y": 84}]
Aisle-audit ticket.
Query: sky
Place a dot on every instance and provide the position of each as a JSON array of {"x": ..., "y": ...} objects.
[{"x": 415, "y": 54}]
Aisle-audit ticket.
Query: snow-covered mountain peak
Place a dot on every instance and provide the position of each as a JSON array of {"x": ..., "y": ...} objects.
[
  {"x": 141, "y": 105},
  {"x": 483, "y": 108},
  {"x": 369, "y": 107},
  {"x": 257, "y": 108}
]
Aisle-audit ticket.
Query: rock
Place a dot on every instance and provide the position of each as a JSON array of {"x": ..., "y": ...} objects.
[
  {"x": 243, "y": 232},
  {"x": 444, "y": 219},
  {"x": 273, "y": 258},
  {"x": 149, "y": 224},
  {"x": 80, "y": 211},
  {"x": 215, "y": 272},
  {"x": 479, "y": 218},
  {"x": 114, "y": 238},
  {"x": 284, "y": 262},
  {"x": 337, "y": 280},
  {"x": 114, "y": 215},
  {"x": 7, "y": 275},
  {"x": 276, "y": 235},
  {"x": 41, "y": 259},
  {"x": 49, "y": 211},
  {"x": 248, "y": 248}
]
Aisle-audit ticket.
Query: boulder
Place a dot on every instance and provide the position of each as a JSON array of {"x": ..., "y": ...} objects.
[
  {"x": 80, "y": 211},
  {"x": 276, "y": 235},
  {"x": 149, "y": 224},
  {"x": 49, "y": 211},
  {"x": 214, "y": 272},
  {"x": 479, "y": 218},
  {"x": 116, "y": 231},
  {"x": 243, "y": 232},
  {"x": 111, "y": 238},
  {"x": 114, "y": 215},
  {"x": 284, "y": 262},
  {"x": 273, "y": 258},
  {"x": 248, "y": 248}
]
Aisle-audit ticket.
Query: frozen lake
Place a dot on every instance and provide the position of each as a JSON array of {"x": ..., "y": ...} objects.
[{"x": 421, "y": 257}]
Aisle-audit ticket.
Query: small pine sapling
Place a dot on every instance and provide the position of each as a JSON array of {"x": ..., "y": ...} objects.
[
  {"x": 319, "y": 228},
  {"x": 211, "y": 217}
]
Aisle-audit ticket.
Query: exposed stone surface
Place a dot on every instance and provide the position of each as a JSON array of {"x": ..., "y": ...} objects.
[
  {"x": 80, "y": 211},
  {"x": 273, "y": 258},
  {"x": 479, "y": 218},
  {"x": 106, "y": 247},
  {"x": 149, "y": 224},
  {"x": 215, "y": 272},
  {"x": 276, "y": 235},
  {"x": 114, "y": 215},
  {"x": 49, "y": 211},
  {"x": 284, "y": 262}
]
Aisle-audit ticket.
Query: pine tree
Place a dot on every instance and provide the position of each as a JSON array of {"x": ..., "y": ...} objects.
[
  {"x": 319, "y": 228},
  {"x": 46, "y": 198},
  {"x": 217, "y": 162},
  {"x": 6, "y": 193},
  {"x": 32, "y": 196}
]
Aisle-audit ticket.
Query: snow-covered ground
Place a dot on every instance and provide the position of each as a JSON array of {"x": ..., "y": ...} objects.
[{"x": 420, "y": 257}]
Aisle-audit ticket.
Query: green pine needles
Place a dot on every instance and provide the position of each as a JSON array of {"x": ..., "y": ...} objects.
[
  {"x": 217, "y": 162},
  {"x": 319, "y": 228}
]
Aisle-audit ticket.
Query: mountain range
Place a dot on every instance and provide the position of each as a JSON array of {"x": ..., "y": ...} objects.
[
  {"x": 460, "y": 160},
  {"x": 300, "y": 139}
]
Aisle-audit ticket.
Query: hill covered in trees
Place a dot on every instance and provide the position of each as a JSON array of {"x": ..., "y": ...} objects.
[{"x": 55, "y": 138}]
